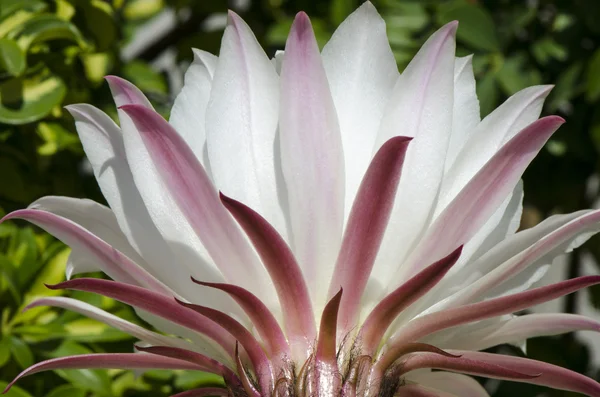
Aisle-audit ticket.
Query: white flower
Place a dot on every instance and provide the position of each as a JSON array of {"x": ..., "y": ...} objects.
[{"x": 364, "y": 234}]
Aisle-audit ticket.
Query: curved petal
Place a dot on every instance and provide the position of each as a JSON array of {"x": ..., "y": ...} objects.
[
  {"x": 161, "y": 218},
  {"x": 103, "y": 144},
  {"x": 507, "y": 277},
  {"x": 188, "y": 115},
  {"x": 192, "y": 191},
  {"x": 242, "y": 119},
  {"x": 551, "y": 375},
  {"x": 108, "y": 361},
  {"x": 261, "y": 363},
  {"x": 466, "y": 107},
  {"x": 361, "y": 71},
  {"x": 263, "y": 320},
  {"x": 366, "y": 226},
  {"x": 489, "y": 136},
  {"x": 312, "y": 159},
  {"x": 420, "y": 107},
  {"x": 156, "y": 304},
  {"x": 328, "y": 376},
  {"x": 110, "y": 319},
  {"x": 473, "y": 206},
  {"x": 426, "y": 325},
  {"x": 520, "y": 328},
  {"x": 456, "y": 384},
  {"x": 111, "y": 261},
  {"x": 378, "y": 321},
  {"x": 292, "y": 291}
]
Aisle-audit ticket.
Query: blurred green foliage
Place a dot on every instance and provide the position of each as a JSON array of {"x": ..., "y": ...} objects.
[{"x": 56, "y": 52}]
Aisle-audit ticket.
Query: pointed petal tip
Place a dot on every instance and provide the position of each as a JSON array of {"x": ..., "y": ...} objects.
[
  {"x": 233, "y": 19},
  {"x": 301, "y": 26}
]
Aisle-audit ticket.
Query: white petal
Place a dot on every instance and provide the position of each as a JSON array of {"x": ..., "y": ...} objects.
[
  {"x": 466, "y": 107},
  {"x": 312, "y": 159},
  {"x": 457, "y": 384},
  {"x": 361, "y": 71},
  {"x": 420, "y": 107},
  {"x": 495, "y": 130},
  {"x": 188, "y": 115},
  {"x": 103, "y": 142},
  {"x": 241, "y": 123}
]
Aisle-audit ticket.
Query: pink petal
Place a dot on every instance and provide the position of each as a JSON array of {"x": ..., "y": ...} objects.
[
  {"x": 465, "y": 365},
  {"x": 112, "y": 262},
  {"x": 196, "y": 197},
  {"x": 483, "y": 194},
  {"x": 154, "y": 303},
  {"x": 206, "y": 363},
  {"x": 261, "y": 363},
  {"x": 551, "y": 375},
  {"x": 426, "y": 325},
  {"x": 246, "y": 382},
  {"x": 264, "y": 321},
  {"x": 327, "y": 374},
  {"x": 524, "y": 327},
  {"x": 312, "y": 158},
  {"x": 388, "y": 309},
  {"x": 285, "y": 273},
  {"x": 366, "y": 225},
  {"x": 452, "y": 383},
  {"x": 106, "y": 361},
  {"x": 126, "y": 93}
]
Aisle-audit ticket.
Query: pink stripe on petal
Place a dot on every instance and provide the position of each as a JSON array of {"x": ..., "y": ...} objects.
[
  {"x": 484, "y": 193},
  {"x": 106, "y": 361},
  {"x": 366, "y": 226},
  {"x": 392, "y": 305},
  {"x": 126, "y": 93},
  {"x": 284, "y": 271},
  {"x": 203, "y": 392},
  {"x": 154, "y": 303},
  {"x": 551, "y": 375},
  {"x": 590, "y": 222},
  {"x": 246, "y": 383},
  {"x": 464, "y": 365},
  {"x": 430, "y": 323},
  {"x": 261, "y": 363},
  {"x": 261, "y": 317},
  {"x": 197, "y": 198},
  {"x": 527, "y": 326},
  {"x": 207, "y": 363},
  {"x": 312, "y": 158},
  {"x": 112, "y": 262},
  {"x": 327, "y": 373}
]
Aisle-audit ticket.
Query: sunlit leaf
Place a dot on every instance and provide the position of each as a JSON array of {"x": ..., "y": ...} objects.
[
  {"x": 21, "y": 352},
  {"x": 12, "y": 58},
  {"x": 37, "y": 98}
]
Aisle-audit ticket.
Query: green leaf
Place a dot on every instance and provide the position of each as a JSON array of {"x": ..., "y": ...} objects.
[
  {"x": 66, "y": 391},
  {"x": 476, "y": 26},
  {"x": 48, "y": 27},
  {"x": 145, "y": 78},
  {"x": 12, "y": 58},
  {"x": 5, "y": 344},
  {"x": 186, "y": 380},
  {"x": 93, "y": 380},
  {"x": 487, "y": 92},
  {"x": 56, "y": 138},
  {"x": 21, "y": 352},
  {"x": 14, "y": 391},
  {"x": 23, "y": 102},
  {"x": 7, "y": 7},
  {"x": 340, "y": 9},
  {"x": 52, "y": 273},
  {"x": 593, "y": 77}
]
